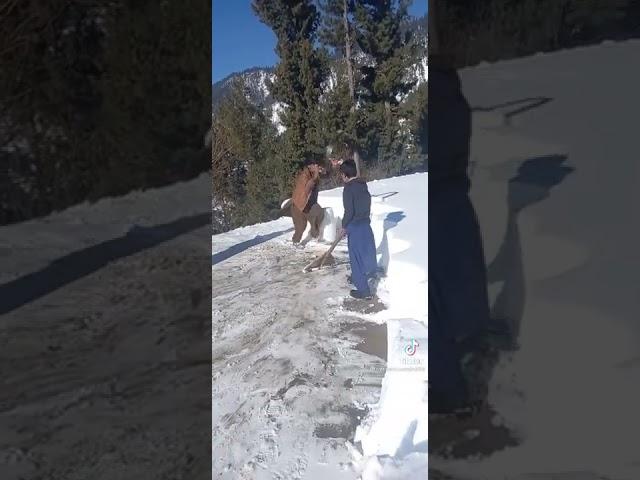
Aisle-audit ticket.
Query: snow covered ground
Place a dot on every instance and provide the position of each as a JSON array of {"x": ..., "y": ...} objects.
[
  {"x": 552, "y": 188},
  {"x": 299, "y": 390},
  {"x": 105, "y": 331}
]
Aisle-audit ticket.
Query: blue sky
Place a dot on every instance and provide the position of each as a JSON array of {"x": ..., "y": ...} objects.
[{"x": 240, "y": 41}]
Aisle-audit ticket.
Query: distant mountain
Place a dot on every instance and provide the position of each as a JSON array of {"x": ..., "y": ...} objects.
[{"x": 257, "y": 80}]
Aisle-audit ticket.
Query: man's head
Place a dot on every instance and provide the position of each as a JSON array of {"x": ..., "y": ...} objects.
[{"x": 348, "y": 170}]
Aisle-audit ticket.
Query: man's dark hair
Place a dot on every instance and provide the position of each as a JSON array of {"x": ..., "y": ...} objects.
[{"x": 348, "y": 168}]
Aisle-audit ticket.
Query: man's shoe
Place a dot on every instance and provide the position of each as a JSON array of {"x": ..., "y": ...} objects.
[{"x": 359, "y": 295}]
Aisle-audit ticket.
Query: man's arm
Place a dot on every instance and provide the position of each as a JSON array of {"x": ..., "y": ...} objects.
[{"x": 347, "y": 201}]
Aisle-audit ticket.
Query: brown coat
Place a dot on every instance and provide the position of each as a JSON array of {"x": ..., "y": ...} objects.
[{"x": 306, "y": 186}]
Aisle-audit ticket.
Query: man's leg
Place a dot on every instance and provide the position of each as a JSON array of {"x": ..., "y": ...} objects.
[
  {"x": 369, "y": 252},
  {"x": 356, "y": 242},
  {"x": 299, "y": 223}
]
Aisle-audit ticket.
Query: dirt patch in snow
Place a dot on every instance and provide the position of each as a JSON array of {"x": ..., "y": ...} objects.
[{"x": 372, "y": 338}]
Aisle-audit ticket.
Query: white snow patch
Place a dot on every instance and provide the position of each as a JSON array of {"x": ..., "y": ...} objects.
[{"x": 276, "y": 112}]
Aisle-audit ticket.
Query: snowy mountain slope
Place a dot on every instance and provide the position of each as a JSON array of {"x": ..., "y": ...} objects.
[
  {"x": 257, "y": 81},
  {"x": 286, "y": 375}
]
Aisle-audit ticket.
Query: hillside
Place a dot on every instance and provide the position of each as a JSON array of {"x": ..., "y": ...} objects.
[{"x": 255, "y": 79}]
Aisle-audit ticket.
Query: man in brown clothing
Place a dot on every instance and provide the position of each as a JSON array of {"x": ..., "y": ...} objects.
[{"x": 305, "y": 206}]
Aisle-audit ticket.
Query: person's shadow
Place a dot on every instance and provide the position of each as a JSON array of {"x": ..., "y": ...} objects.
[
  {"x": 81, "y": 263},
  {"x": 391, "y": 220},
  {"x": 462, "y": 296},
  {"x": 407, "y": 445},
  {"x": 219, "y": 257},
  {"x": 532, "y": 183}
]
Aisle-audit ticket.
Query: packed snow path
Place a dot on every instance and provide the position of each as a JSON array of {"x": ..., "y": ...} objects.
[
  {"x": 104, "y": 334},
  {"x": 291, "y": 393},
  {"x": 283, "y": 394}
]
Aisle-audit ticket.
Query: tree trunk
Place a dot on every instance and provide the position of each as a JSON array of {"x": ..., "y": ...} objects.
[
  {"x": 347, "y": 42},
  {"x": 356, "y": 159},
  {"x": 350, "y": 77}
]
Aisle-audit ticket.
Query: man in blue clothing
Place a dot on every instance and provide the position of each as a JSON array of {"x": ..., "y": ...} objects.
[{"x": 356, "y": 224}]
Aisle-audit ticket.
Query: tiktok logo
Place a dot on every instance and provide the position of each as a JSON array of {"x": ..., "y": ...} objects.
[{"x": 412, "y": 347}]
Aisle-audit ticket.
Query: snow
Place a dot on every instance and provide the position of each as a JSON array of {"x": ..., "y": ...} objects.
[
  {"x": 331, "y": 82},
  {"x": 123, "y": 318},
  {"x": 279, "y": 361},
  {"x": 423, "y": 71},
  {"x": 262, "y": 83},
  {"x": 397, "y": 427},
  {"x": 399, "y": 223},
  {"x": 569, "y": 393},
  {"x": 276, "y": 112},
  {"x": 391, "y": 440}
]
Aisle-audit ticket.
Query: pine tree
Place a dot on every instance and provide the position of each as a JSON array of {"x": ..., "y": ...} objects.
[
  {"x": 335, "y": 119},
  {"x": 390, "y": 52},
  {"x": 337, "y": 33},
  {"x": 415, "y": 112},
  {"x": 299, "y": 74},
  {"x": 155, "y": 93},
  {"x": 380, "y": 37},
  {"x": 51, "y": 55},
  {"x": 103, "y": 96},
  {"x": 239, "y": 132},
  {"x": 268, "y": 183}
]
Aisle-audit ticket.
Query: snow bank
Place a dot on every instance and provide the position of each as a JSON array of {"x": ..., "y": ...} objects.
[{"x": 396, "y": 429}]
